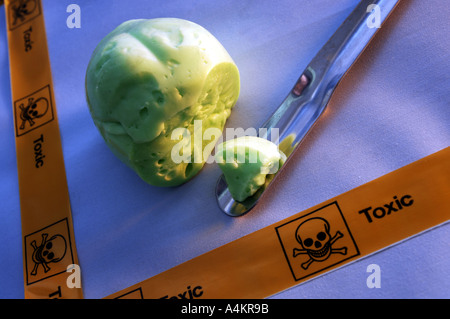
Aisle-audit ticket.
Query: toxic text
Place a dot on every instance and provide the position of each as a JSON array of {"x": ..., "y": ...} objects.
[
  {"x": 397, "y": 204},
  {"x": 27, "y": 39},
  {"x": 38, "y": 153},
  {"x": 190, "y": 293}
]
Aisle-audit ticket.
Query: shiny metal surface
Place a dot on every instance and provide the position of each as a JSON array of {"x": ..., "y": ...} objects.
[{"x": 310, "y": 95}]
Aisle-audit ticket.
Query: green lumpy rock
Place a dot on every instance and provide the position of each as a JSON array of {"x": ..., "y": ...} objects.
[
  {"x": 149, "y": 77},
  {"x": 246, "y": 162}
]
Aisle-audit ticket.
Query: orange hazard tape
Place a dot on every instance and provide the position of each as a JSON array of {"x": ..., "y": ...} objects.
[
  {"x": 398, "y": 205},
  {"x": 355, "y": 224},
  {"x": 48, "y": 238}
]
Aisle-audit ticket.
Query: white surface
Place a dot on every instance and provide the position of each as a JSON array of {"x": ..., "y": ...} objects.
[{"x": 391, "y": 109}]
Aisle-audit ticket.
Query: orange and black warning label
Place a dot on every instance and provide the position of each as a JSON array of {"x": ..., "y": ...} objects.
[
  {"x": 33, "y": 111},
  {"x": 350, "y": 226},
  {"x": 20, "y": 12},
  {"x": 316, "y": 241},
  {"x": 49, "y": 252}
]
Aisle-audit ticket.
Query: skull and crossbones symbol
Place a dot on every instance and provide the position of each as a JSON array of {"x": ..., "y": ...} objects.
[
  {"x": 34, "y": 110},
  {"x": 49, "y": 251},
  {"x": 24, "y": 8},
  {"x": 314, "y": 236}
]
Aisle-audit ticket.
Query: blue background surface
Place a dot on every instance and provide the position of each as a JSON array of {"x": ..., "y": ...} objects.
[{"x": 391, "y": 109}]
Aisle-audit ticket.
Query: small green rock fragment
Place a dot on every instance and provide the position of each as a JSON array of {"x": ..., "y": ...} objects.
[{"x": 246, "y": 162}]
